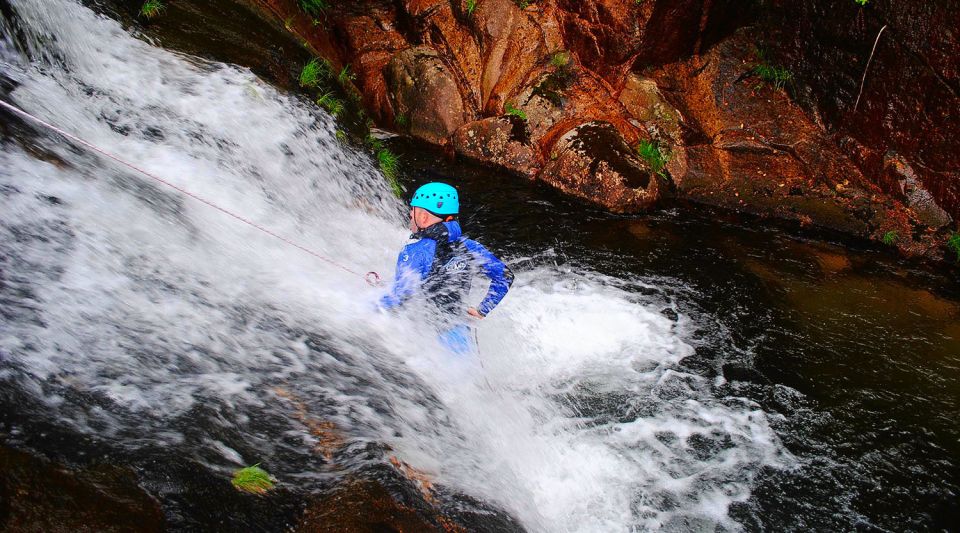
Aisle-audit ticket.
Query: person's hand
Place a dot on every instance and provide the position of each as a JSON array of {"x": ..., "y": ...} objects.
[{"x": 472, "y": 311}]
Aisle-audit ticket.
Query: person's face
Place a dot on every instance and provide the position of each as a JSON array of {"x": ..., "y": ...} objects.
[{"x": 416, "y": 219}]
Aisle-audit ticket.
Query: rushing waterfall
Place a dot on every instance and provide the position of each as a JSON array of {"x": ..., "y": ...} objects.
[{"x": 142, "y": 317}]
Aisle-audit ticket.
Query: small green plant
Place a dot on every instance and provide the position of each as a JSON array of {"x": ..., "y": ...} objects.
[
  {"x": 890, "y": 238},
  {"x": 374, "y": 143},
  {"x": 313, "y": 7},
  {"x": 151, "y": 8},
  {"x": 331, "y": 103},
  {"x": 471, "y": 7},
  {"x": 341, "y": 136},
  {"x": 523, "y": 4},
  {"x": 514, "y": 112},
  {"x": 252, "y": 479},
  {"x": 388, "y": 165},
  {"x": 650, "y": 152},
  {"x": 313, "y": 72},
  {"x": 862, "y": 3},
  {"x": 953, "y": 243},
  {"x": 560, "y": 59},
  {"x": 401, "y": 120},
  {"x": 777, "y": 77},
  {"x": 345, "y": 75}
]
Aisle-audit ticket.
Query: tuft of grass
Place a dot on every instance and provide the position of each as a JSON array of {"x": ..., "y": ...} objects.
[
  {"x": 313, "y": 72},
  {"x": 776, "y": 76},
  {"x": 389, "y": 163},
  {"x": 341, "y": 136},
  {"x": 331, "y": 103},
  {"x": 471, "y": 7},
  {"x": 401, "y": 121},
  {"x": 374, "y": 143},
  {"x": 345, "y": 75},
  {"x": 514, "y": 112},
  {"x": 650, "y": 152},
  {"x": 252, "y": 479},
  {"x": 523, "y": 4},
  {"x": 890, "y": 238},
  {"x": 862, "y": 3},
  {"x": 953, "y": 243},
  {"x": 313, "y": 7},
  {"x": 151, "y": 8}
]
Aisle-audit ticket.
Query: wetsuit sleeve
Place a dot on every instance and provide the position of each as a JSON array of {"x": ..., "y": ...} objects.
[
  {"x": 413, "y": 264},
  {"x": 501, "y": 277}
]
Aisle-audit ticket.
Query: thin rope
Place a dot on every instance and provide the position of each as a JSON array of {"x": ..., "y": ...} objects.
[
  {"x": 866, "y": 68},
  {"x": 370, "y": 277}
]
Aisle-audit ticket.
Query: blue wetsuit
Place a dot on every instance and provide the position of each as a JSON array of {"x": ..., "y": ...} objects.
[{"x": 441, "y": 265}]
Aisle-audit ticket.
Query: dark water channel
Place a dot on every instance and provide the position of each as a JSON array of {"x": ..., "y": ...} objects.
[
  {"x": 857, "y": 350},
  {"x": 853, "y": 353}
]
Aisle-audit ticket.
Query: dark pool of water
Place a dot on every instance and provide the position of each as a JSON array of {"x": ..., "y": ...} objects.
[{"x": 858, "y": 350}]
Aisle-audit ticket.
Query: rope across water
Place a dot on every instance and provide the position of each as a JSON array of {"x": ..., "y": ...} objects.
[{"x": 370, "y": 277}]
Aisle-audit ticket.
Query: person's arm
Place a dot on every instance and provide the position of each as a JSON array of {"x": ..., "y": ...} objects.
[
  {"x": 501, "y": 277},
  {"x": 413, "y": 264}
]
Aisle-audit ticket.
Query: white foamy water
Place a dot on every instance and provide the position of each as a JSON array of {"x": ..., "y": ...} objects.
[{"x": 128, "y": 291}]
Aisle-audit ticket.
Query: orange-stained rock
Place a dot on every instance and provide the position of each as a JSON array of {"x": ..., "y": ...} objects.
[
  {"x": 592, "y": 161},
  {"x": 499, "y": 141},
  {"x": 677, "y": 71},
  {"x": 422, "y": 89},
  {"x": 758, "y": 151}
]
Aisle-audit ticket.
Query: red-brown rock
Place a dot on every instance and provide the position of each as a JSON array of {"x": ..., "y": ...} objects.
[
  {"x": 499, "y": 141},
  {"x": 423, "y": 90},
  {"x": 593, "y": 162}
]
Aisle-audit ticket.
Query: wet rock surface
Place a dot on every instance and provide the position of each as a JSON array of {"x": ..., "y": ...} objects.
[
  {"x": 499, "y": 141},
  {"x": 425, "y": 93},
  {"x": 682, "y": 75},
  {"x": 39, "y": 495},
  {"x": 592, "y": 161}
]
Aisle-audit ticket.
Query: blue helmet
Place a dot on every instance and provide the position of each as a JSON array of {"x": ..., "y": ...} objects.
[{"x": 438, "y": 198}]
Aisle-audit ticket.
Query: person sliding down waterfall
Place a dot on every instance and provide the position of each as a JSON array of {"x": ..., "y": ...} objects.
[{"x": 441, "y": 264}]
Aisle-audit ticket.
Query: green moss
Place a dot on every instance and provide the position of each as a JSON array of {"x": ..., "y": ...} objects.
[
  {"x": 890, "y": 238},
  {"x": 471, "y": 7},
  {"x": 953, "y": 243},
  {"x": 514, "y": 112},
  {"x": 252, "y": 479},
  {"x": 151, "y": 8},
  {"x": 655, "y": 158},
  {"x": 523, "y": 4},
  {"x": 313, "y": 72},
  {"x": 560, "y": 59}
]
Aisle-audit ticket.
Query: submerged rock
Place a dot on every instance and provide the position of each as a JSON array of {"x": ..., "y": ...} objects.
[{"x": 38, "y": 495}]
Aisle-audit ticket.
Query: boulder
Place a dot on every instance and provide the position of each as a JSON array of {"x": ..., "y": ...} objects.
[
  {"x": 592, "y": 161},
  {"x": 424, "y": 91},
  {"x": 499, "y": 141}
]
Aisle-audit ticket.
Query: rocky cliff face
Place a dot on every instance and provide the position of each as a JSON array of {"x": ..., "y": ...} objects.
[{"x": 750, "y": 106}]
